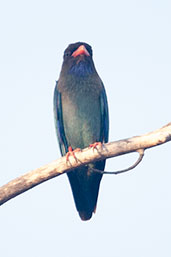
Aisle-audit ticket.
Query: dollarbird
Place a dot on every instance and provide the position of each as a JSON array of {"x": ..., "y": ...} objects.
[{"x": 81, "y": 119}]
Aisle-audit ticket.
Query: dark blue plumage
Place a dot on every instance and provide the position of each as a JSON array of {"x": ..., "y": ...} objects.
[
  {"x": 81, "y": 70},
  {"x": 81, "y": 118}
]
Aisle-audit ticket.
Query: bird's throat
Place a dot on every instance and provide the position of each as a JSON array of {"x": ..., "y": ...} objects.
[{"x": 81, "y": 69}]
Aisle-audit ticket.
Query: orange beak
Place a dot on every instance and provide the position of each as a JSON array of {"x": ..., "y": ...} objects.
[{"x": 81, "y": 50}]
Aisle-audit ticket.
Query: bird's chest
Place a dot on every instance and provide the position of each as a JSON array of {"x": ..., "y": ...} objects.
[
  {"x": 80, "y": 99},
  {"x": 81, "y": 115}
]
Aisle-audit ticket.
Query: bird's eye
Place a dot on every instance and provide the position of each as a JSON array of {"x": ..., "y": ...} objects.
[{"x": 66, "y": 54}]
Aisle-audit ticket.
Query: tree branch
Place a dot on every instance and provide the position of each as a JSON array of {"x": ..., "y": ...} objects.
[{"x": 60, "y": 166}]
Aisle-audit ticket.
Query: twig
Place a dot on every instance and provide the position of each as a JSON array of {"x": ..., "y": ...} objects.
[{"x": 141, "y": 155}]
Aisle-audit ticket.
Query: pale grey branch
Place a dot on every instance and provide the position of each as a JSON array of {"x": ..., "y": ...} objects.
[{"x": 60, "y": 166}]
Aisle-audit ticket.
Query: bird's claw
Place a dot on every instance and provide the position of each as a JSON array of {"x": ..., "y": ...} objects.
[
  {"x": 72, "y": 152},
  {"x": 94, "y": 145}
]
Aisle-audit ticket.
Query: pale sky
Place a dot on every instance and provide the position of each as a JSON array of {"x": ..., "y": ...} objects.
[{"x": 131, "y": 42}]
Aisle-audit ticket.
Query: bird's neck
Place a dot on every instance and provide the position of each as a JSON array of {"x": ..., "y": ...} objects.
[{"x": 81, "y": 69}]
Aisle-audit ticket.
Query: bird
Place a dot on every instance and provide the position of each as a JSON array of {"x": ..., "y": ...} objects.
[{"x": 81, "y": 119}]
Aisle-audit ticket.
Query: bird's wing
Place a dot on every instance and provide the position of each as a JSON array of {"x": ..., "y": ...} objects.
[
  {"x": 104, "y": 117},
  {"x": 57, "y": 105}
]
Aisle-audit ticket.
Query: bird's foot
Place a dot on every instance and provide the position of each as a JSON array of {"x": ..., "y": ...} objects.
[
  {"x": 94, "y": 145},
  {"x": 72, "y": 152}
]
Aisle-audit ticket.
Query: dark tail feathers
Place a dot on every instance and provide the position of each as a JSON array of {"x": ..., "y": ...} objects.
[{"x": 85, "y": 187}]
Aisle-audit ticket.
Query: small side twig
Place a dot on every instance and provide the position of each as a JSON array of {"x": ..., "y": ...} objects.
[{"x": 141, "y": 155}]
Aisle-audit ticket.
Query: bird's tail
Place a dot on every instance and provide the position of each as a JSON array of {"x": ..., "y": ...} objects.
[{"x": 85, "y": 187}]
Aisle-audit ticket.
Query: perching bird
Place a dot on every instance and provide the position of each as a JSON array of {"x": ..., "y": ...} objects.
[{"x": 81, "y": 119}]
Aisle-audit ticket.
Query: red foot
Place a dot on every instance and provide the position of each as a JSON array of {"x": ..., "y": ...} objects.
[
  {"x": 72, "y": 153},
  {"x": 94, "y": 146}
]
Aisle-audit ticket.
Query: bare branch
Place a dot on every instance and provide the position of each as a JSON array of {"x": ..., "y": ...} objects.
[{"x": 58, "y": 167}]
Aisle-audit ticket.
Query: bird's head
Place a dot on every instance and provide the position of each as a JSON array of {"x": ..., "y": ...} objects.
[{"x": 78, "y": 59}]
